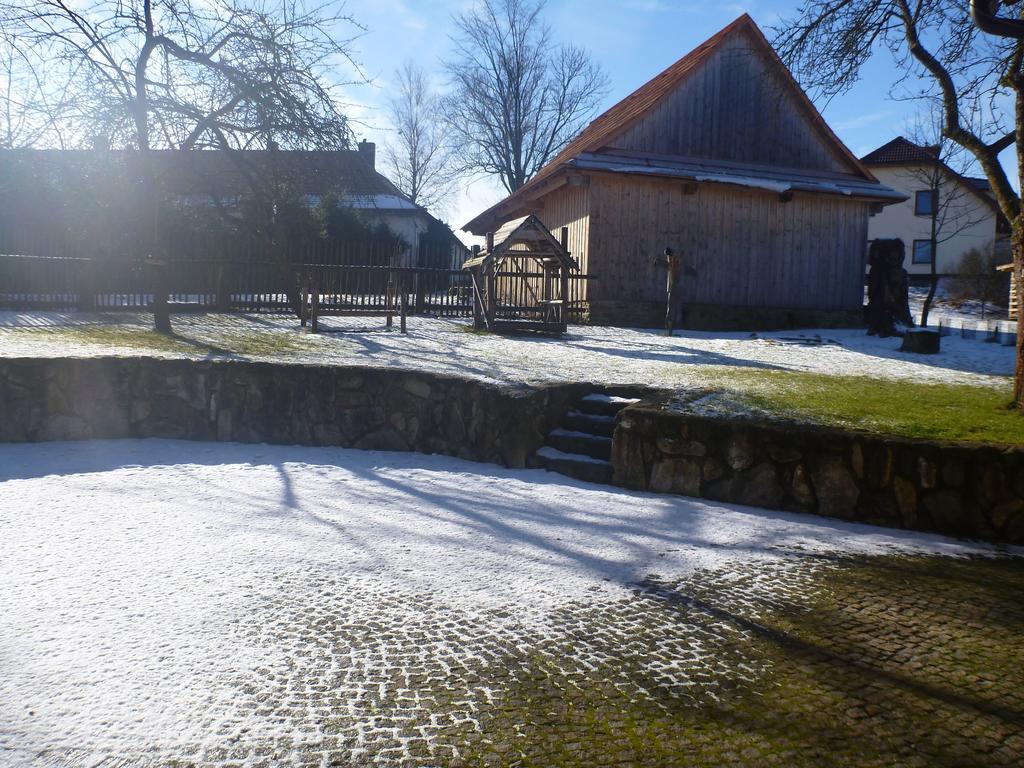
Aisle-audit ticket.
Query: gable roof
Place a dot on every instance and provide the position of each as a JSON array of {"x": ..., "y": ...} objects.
[
  {"x": 219, "y": 173},
  {"x": 525, "y": 236},
  {"x": 634, "y": 107},
  {"x": 901, "y": 151}
]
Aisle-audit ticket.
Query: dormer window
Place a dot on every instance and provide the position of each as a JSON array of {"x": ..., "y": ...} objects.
[{"x": 925, "y": 202}]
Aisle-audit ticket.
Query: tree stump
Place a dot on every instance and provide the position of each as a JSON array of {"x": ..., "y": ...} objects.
[{"x": 921, "y": 342}]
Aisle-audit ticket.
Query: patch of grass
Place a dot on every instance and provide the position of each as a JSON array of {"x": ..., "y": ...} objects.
[
  {"x": 265, "y": 344},
  {"x": 120, "y": 336},
  {"x": 247, "y": 344},
  {"x": 471, "y": 329},
  {"x": 884, "y": 406}
]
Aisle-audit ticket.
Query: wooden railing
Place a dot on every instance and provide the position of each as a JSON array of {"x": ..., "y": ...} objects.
[{"x": 109, "y": 285}]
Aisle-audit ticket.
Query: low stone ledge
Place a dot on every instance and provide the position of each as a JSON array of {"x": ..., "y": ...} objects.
[
  {"x": 367, "y": 408},
  {"x": 952, "y": 488}
]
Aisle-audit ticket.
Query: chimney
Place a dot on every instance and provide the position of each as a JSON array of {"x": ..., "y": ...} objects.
[{"x": 369, "y": 150}]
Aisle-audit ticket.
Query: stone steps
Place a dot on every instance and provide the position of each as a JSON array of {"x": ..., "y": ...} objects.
[
  {"x": 577, "y": 465},
  {"x": 585, "y": 443},
  {"x": 582, "y": 446},
  {"x": 604, "y": 405},
  {"x": 590, "y": 423}
]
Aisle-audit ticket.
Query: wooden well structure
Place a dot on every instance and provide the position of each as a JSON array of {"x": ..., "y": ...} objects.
[{"x": 521, "y": 280}]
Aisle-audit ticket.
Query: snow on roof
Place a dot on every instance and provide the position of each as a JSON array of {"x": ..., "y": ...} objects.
[{"x": 770, "y": 178}]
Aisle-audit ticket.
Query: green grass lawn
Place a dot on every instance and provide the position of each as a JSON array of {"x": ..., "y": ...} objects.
[
  {"x": 247, "y": 343},
  {"x": 887, "y": 406}
]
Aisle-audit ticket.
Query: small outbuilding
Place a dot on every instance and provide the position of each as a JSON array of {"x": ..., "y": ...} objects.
[
  {"x": 521, "y": 281},
  {"x": 724, "y": 160}
]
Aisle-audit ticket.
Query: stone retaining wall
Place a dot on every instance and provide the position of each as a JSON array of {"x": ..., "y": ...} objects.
[
  {"x": 368, "y": 408},
  {"x": 959, "y": 489}
]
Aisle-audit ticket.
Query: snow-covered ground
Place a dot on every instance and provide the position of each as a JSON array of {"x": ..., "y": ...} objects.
[
  {"x": 154, "y": 594},
  {"x": 595, "y": 354},
  {"x": 949, "y": 310}
]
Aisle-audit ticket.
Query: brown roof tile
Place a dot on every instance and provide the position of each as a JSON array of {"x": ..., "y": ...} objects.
[{"x": 899, "y": 151}]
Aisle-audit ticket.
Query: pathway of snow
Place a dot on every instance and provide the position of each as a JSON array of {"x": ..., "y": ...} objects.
[
  {"x": 137, "y": 575},
  {"x": 596, "y": 354}
]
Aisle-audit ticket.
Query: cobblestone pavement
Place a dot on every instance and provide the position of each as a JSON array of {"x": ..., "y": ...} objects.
[{"x": 796, "y": 659}]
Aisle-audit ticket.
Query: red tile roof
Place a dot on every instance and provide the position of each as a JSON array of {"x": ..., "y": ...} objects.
[
  {"x": 624, "y": 114},
  {"x": 900, "y": 151}
]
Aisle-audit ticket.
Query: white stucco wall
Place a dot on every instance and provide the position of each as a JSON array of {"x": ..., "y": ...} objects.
[{"x": 968, "y": 216}]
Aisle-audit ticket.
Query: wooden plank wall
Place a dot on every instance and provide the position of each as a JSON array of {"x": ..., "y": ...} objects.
[
  {"x": 569, "y": 207},
  {"x": 749, "y": 248},
  {"x": 734, "y": 108}
]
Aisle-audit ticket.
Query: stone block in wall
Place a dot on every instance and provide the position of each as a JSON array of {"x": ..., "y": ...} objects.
[
  {"x": 713, "y": 470},
  {"x": 739, "y": 451},
  {"x": 879, "y": 465},
  {"x": 676, "y": 475},
  {"x": 783, "y": 454},
  {"x": 954, "y": 488},
  {"x": 835, "y": 488},
  {"x": 680, "y": 447},
  {"x": 905, "y": 493},
  {"x": 760, "y": 487},
  {"x": 800, "y": 488}
]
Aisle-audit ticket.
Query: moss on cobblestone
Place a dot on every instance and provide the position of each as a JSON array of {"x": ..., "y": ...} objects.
[
  {"x": 794, "y": 661},
  {"x": 886, "y": 662}
]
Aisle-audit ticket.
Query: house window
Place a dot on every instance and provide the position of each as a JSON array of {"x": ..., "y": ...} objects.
[
  {"x": 922, "y": 252},
  {"x": 925, "y": 202}
]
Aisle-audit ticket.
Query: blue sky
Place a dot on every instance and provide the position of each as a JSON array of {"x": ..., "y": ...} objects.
[{"x": 633, "y": 40}]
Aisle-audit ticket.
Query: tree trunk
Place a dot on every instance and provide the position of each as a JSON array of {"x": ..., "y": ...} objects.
[
  {"x": 1017, "y": 275},
  {"x": 151, "y": 240},
  {"x": 933, "y": 285},
  {"x": 161, "y": 309}
]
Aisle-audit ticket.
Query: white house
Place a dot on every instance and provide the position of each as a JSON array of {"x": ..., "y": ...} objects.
[{"x": 968, "y": 216}]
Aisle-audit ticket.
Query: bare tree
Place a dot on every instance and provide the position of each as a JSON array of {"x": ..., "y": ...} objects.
[
  {"x": 189, "y": 74},
  {"x": 953, "y": 206},
  {"x": 945, "y": 59},
  {"x": 419, "y": 157},
  {"x": 517, "y": 97}
]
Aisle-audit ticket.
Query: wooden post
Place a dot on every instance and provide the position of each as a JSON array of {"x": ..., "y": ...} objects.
[
  {"x": 490, "y": 305},
  {"x": 565, "y": 297},
  {"x": 222, "y": 299},
  {"x": 564, "y": 273},
  {"x": 303, "y": 296},
  {"x": 87, "y": 286},
  {"x": 314, "y": 304},
  {"x": 388, "y": 290},
  {"x": 403, "y": 309}
]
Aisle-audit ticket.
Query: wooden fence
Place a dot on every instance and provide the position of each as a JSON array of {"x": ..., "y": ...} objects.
[{"x": 69, "y": 283}]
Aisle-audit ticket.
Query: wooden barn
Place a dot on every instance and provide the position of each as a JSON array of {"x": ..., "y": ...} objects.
[{"x": 723, "y": 159}]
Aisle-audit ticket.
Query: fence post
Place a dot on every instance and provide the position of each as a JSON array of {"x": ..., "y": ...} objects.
[
  {"x": 303, "y": 296},
  {"x": 222, "y": 299},
  {"x": 420, "y": 288},
  {"x": 388, "y": 290},
  {"x": 314, "y": 304},
  {"x": 402, "y": 309},
  {"x": 87, "y": 286}
]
